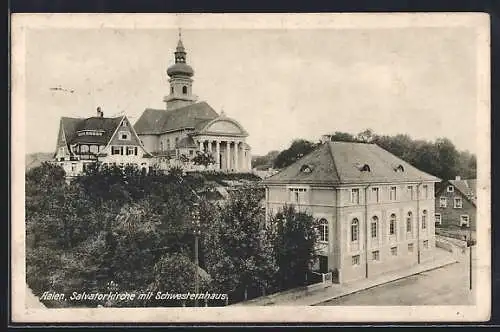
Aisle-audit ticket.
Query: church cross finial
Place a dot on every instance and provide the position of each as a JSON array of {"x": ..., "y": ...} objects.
[{"x": 180, "y": 33}]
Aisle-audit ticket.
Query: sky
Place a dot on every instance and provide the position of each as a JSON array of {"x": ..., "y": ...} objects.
[{"x": 280, "y": 84}]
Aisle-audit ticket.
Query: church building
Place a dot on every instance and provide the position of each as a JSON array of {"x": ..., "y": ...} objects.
[{"x": 187, "y": 127}]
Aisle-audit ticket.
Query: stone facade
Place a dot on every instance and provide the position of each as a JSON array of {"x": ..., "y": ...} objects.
[{"x": 366, "y": 228}]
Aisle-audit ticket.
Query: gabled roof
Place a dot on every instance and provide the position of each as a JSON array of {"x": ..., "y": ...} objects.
[
  {"x": 467, "y": 187},
  {"x": 336, "y": 163},
  {"x": 153, "y": 121}
]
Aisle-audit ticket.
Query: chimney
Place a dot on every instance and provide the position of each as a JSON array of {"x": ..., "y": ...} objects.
[
  {"x": 99, "y": 112},
  {"x": 457, "y": 178}
]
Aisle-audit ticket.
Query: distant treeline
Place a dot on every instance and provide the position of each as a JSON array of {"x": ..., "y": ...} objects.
[{"x": 439, "y": 158}]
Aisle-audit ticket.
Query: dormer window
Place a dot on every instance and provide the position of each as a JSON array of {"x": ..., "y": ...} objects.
[
  {"x": 399, "y": 168},
  {"x": 306, "y": 169}
]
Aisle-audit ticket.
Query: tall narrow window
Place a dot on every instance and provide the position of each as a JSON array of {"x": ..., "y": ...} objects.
[
  {"x": 171, "y": 89},
  {"x": 354, "y": 230},
  {"x": 409, "y": 221},
  {"x": 425, "y": 188},
  {"x": 375, "y": 193},
  {"x": 355, "y": 196},
  {"x": 323, "y": 230},
  {"x": 184, "y": 90},
  {"x": 392, "y": 194},
  {"x": 424, "y": 219},
  {"x": 374, "y": 227},
  {"x": 392, "y": 224},
  {"x": 410, "y": 192}
]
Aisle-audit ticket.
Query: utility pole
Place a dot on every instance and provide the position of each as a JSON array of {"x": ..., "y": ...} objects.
[
  {"x": 196, "y": 233},
  {"x": 469, "y": 244}
]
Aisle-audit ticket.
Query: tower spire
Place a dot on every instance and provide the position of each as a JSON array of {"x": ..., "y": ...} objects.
[{"x": 180, "y": 80}]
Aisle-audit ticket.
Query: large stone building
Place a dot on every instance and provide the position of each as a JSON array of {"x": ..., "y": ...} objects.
[
  {"x": 112, "y": 141},
  {"x": 186, "y": 127},
  {"x": 375, "y": 210},
  {"x": 456, "y": 203}
]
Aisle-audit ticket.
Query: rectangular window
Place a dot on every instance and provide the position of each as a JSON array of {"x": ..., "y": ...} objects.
[
  {"x": 437, "y": 216},
  {"x": 191, "y": 152},
  {"x": 425, "y": 189},
  {"x": 135, "y": 151},
  {"x": 130, "y": 151},
  {"x": 394, "y": 251},
  {"x": 355, "y": 260},
  {"x": 73, "y": 167},
  {"x": 426, "y": 244},
  {"x": 376, "y": 255},
  {"x": 298, "y": 195},
  {"x": 124, "y": 135},
  {"x": 410, "y": 192},
  {"x": 410, "y": 248},
  {"x": 375, "y": 193},
  {"x": 355, "y": 196},
  {"x": 450, "y": 189},
  {"x": 392, "y": 194},
  {"x": 443, "y": 202},
  {"x": 458, "y": 203},
  {"x": 464, "y": 220},
  {"x": 115, "y": 150}
]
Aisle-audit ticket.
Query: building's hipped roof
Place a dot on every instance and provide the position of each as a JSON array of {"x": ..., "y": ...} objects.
[
  {"x": 336, "y": 163},
  {"x": 155, "y": 122}
]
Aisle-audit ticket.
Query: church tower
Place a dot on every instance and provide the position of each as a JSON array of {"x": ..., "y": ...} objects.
[{"x": 181, "y": 83}]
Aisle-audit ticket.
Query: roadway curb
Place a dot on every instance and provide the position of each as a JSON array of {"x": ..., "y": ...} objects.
[{"x": 454, "y": 261}]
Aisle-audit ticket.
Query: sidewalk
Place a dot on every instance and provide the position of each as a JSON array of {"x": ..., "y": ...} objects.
[{"x": 308, "y": 298}]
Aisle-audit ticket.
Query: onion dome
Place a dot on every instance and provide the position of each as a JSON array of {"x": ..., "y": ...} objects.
[{"x": 180, "y": 67}]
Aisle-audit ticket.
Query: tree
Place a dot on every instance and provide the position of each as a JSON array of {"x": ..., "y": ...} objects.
[
  {"x": 294, "y": 236},
  {"x": 366, "y": 136},
  {"x": 203, "y": 158},
  {"x": 238, "y": 254},
  {"x": 297, "y": 150},
  {"x": 175, "y": 273},
  {"x": 339, "y": 136}
]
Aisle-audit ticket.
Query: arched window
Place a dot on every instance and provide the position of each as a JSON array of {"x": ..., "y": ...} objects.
[
  {"x": 354, "y": 229},
  {"x": 374, "y": 227},
  {"x": 323, "y": 230},
  {"x": 184, "y": 89},
  {"x": 424, "y": 219},
  {"x": 409, "y": 221},
  {"x": 392, "y": 224}
]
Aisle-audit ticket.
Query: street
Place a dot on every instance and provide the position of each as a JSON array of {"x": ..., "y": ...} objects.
[{"x": 448, "y": 285}]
